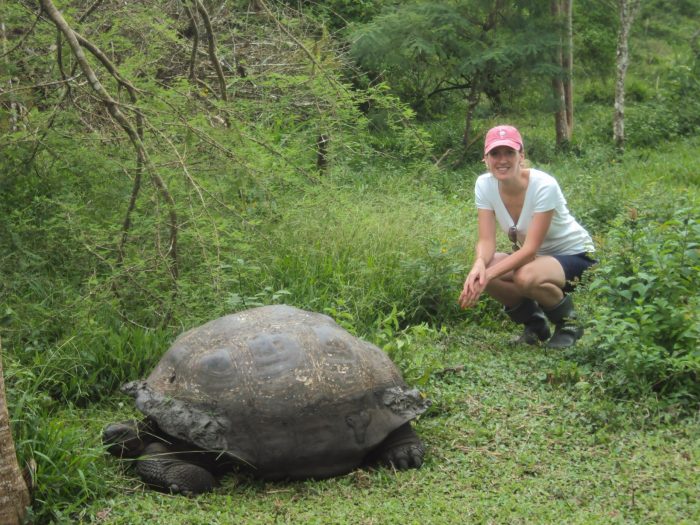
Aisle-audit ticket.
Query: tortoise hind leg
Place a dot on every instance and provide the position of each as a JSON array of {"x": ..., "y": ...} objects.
[
  {"x": 161, "y": 469},
  {"x": 402, "y": 449}
]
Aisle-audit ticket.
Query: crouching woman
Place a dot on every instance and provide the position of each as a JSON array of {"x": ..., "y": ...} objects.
[{"x": 550, "y": 250}]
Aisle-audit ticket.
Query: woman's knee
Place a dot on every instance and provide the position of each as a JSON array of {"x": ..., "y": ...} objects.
[{"x": 527, "y": 279}]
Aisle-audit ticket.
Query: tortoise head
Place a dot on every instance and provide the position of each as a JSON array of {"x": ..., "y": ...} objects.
[{"x": 128, "y": 439}]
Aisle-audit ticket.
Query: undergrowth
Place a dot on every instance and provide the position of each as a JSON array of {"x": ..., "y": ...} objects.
[
  {"x": 376, "y": 231},
  {"x": 646, "y": 326}
]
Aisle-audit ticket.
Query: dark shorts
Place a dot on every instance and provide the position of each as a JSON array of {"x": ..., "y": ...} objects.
[{"x": 574, "y": 266}]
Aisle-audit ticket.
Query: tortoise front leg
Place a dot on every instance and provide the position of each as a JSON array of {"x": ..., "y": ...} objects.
[
  {"x": 161, "y": 469},
  {"x": 402, "y": 449}
]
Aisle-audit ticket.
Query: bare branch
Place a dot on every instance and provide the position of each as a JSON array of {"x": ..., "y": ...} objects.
[
  {"x": 35, "y": 86},
  {"x": 90, "y": 10},
  {"x": 306, "y": 51},
  {"x": 212, "y": 47},
  {"x": 116, "y": 113},
  {"x": 102, "y": 57}
]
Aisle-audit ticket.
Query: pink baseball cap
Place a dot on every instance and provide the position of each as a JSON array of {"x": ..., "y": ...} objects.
[{"x": 503, "y": 136}]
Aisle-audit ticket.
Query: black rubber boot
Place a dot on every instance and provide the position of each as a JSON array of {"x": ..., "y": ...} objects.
[
  {"x": 566, "y": 329},
  {"x": 529, "y": 313}
]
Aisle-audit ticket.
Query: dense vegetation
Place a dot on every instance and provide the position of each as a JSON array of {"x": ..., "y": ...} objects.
[{"x": 105, "y": 255}]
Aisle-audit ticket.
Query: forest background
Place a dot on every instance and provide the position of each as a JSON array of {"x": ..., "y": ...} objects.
[{"x": 202, "y": 157}]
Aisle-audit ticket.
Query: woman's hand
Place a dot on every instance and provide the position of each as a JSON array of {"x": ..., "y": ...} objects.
[{"x": 474, "y": 285}]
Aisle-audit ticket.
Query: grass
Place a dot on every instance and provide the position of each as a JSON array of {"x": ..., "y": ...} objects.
[
  {"x": 505, "y": 444},
  {"x": 364, "y": 248},
  {"x": 380, "y": 241},
  {"x": 515, "y": 435}
]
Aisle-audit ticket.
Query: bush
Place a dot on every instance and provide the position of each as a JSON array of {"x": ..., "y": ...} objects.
[
  {"x": 369, "y": 247},
  {"x": 418, "y": 350},
  {"x": 598, "y": 93},
  {"x": 435, "y": 277},
  {"x": 655, "y": 121},
  {"x": 93, "y": 362},
  {"x": 68, "y": 464},
  {"x": 646, "y": 291}
]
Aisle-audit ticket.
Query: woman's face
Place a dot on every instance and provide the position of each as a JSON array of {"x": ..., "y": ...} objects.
[{"x": 503, "y": 162}]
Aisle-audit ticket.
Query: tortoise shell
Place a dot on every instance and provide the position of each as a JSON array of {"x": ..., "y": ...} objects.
[{"x": 285, "y": 391}]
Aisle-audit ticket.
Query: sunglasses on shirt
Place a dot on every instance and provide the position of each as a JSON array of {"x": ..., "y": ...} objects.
[{"x": 513, "y": 237}]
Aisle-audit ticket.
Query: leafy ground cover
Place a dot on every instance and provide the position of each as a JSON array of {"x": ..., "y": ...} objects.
[
  {"x": 514, "y": 435},
  {"x": 379, "y": 237},
  {"x": 506, "y": 444}
]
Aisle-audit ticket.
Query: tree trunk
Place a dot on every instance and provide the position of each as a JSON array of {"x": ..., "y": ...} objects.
[
  {"x": 561, "y": 127},
  {"x": 215, "y": 62},
  {"x": 322, "y": 151},
  {"x": 195, "y": 42},
  {"x": 472, "y": 102},
  {"x": 14, "y": 495},
  {"x": 478, "y": 82},
  {"x": 568, "y": 64},
  {"x": 628, "y": 10}
]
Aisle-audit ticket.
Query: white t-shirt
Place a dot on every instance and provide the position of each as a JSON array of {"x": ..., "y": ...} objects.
[{"x": 564, "y": 237}]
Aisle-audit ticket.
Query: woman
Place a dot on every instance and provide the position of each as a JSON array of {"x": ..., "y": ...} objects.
[{"x": 550, "y": 249}]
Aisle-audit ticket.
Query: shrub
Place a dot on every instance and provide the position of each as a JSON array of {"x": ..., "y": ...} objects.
[
  {"x": 368, "y": 247},
  {"x": 651, "y": 123},
  {"x": 435, "y": 279},
  {"x": 417, "y": 350},
  {"x": 598, "y": 93},
  {"x": 646, "y": 290},
  {"x": 92, "y": 362},
  {"x": 657, "y": 120},
  {"x": 637, "y": 90},
  {"x": 68, "y": 463}
]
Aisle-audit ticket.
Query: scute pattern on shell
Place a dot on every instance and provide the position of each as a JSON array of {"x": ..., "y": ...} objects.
[{"x": 286, "y": 391}]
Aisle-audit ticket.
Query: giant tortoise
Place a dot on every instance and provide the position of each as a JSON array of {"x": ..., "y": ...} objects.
[{"x": 282, "y": 392}]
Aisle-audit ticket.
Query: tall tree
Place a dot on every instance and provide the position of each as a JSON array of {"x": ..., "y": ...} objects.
[
  {"x": 14, "y": 495},
  {"x": 569, "y": 66},
  {"x": 479, "y": 48},
  {"x": 628, "y": 10},
  {"x": 562, "y": 84}
]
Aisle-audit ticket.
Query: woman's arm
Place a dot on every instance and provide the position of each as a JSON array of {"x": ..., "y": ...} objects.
[
  {"x": 486, "y": 245},
  {"x": 485, "y": 250},
  {"x": 533, "y": 240}
]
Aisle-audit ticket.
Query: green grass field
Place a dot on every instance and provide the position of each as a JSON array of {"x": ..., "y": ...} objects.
[
  {"x": 515, "y": 435},
  {"x": 379, "y": 236},
  {"x": 505, "y": 444}
]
